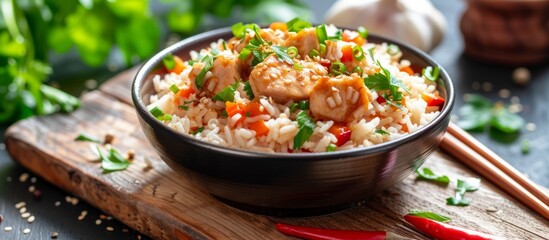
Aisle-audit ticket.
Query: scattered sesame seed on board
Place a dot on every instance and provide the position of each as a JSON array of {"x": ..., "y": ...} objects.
[
  {"x": 23, "y": 177},
  {"x": 504, "y": 93},
  {"x": 57, "y": 204},
  {"x": 103, "y": 216},
  {"x": 25, "y": 215},
  {"x": 22, "y": 210},
  {"x": 125, "y": 230},
  {"x": 108, "y": 138},
  {"x": 98, "y": 222},
  {"x": 33, "y": 179},
  {"x": 26, "y": 231},
  {"x": 74, "y": 201},
  {"x": 31, "y": 219},
  {"x": 54, "y": 235},
  {"x": 7, "y": 229},
  {"x": 68, "y": 199},
  {"x": 82, "y": 215},
  {"x": 32, "y": 188},
  {"x": 110, "y": 229},
  {"x": 521, "y": 76},
  {"x": 487, "y": 87},
  {"x": 20, "y": 205}
]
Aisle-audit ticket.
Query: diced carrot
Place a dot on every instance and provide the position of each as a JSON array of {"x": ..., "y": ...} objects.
[
  {"x": 184, "y": 93},
  {"x": 236, "y": 108},
  {"x": 259, "y": 127},
  {"x": 352, "y": 36},
  {"x": 254, "y": 109},
  {"x": 179, "y": 66},
  {"x": 408, "y": 70},
  {"x": 341, "y": 132},
  {"x": 279, "y": 26},
  {"x": 404, "y": 127},
  {"x": 433, "y": 100},
  {"x": 347, "y": 53}
]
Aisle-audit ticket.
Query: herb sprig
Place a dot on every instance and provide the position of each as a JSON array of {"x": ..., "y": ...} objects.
[
  {"x": 306, "y": 127},
  {"x": 385, "y": 81}
]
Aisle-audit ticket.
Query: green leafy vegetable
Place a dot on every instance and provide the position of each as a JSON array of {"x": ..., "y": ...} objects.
[
  {"x": 168, "y": 61},
  {"x": 208, "y": 64},
  {"x": 114, "y": 161},
  {"x": 239, "y": 29},
  {"x": 86, "y": 138},
  {"x": 430, "y": 73},
  {"x": 294, "y": 107},
  {"x": 248, "y": 90},
  {"x": 306, "y": 127},
  {"x": 428, "y": 174},
  {"x": 430, "y": 215},
  {"x": 227, "y": 93},
  {"x": 282, "y": 55},
  {"x": 358, "y": 70},
  {"x": 297, "y": 24},
  {"x": 386, "y": 81},
  {"x": 504, "y": 120},
  {"x": 381, "y": 131}
]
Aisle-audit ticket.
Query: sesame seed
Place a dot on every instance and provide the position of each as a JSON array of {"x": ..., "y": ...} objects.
[
  {"x": 515, "y": 99},
  {"x": 20, "y": 205},
  {"x": 68, "y": 199},
  {"x": 521, "y": 76},
  {"x": 32, "y": 188},
  {"x": 91, "y": 83},
  {"x": 22, "y": 210},
  {"x": 25, "y": 215},
  {"x": 74, "y": 201},
  {"x": 31, "y": 219},
  {"x": 530, "y": 127},
  {"x": 139, "y": 237},
  {"x": 103, "y": 216},
  {"x": 131, "y": 154},
  {"x": 125, "y": 230},
  {"x": 23, "y": 177},
  {"x": 54, "y": 235},
  {"x": 98, "y": 222},
  {"x": 504, "y": 93},
  {"x": 82, "y": 215},
  {"x": 109, "y": 218},
  {"x": 57, "y": 204},
  {"x": 110, "y": 229},
  {"x": 26, "y": 231},
  {"x": 33, "y": 179},
  {"x": 7, "y": 229},
  {"x": 515, "y": 108}
]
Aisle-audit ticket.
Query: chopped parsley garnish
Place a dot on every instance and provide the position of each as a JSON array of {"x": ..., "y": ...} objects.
[
  {"x": 86, "y": 138},
  {"x": 358, "y": 70},
  {"x": 281, "y": 53},
  {"x": 431, "y": 73},
  {"x": 306, "y": 127},
  {"x": 184, "y": 107},
  {"x": 248, "y": 90},
  {"x": 428, "y": 174},
  {"x": 430, "y": 215},
  {"x": 331, "y": 147},
  {"x": 239, "y": 30},
  {"x": 168, "y": 61},
  {"x": 386, "y": 81},
  {"x": 363, "y": 32},
  {"x": 371, "y": 53},
  {"x": 297, "y": 24},
  {"x": 197, "y": 131},
  {"x": 174, "y": 88},
  {"x": 114, "y": 161},
  {"x": 208, "y": 64},
  {"x": 227, "y": 93},
  {"x": 381, "y": 131},
  {"x": 337, "y": 36}
]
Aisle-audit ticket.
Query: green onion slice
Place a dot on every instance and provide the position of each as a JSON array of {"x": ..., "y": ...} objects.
[
  {"x": 156, "y": 112},
  {"x": 431, "y": 73},
  {"x": 331, "y": 147},
  {"x": 168, "y": 61},
  {"x": 358, "y": 70},
  {"x": 322, "y": 48},
  {"x": 393, "y": 49},
  {"x": 313, "y": 53},
  {"x": 358, "y": 53},
  {"x": 337, "y": 68},
  {"x": 321, "y": 33},
  {"x": 363, "y": 32},
  {"x": 174, "y": 88},
  {"x": 292, "y": 52}
]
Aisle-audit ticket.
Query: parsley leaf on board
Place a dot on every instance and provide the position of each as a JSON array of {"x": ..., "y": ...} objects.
[
  {"x": 306, "y": 127},
  {"x": 428, "y": 174},
  {"x": 114, "y": 161},
  {"x": 86, "y": 138},
  {"x": 479, "y": 112},
  {"x": 467, "y": 185}
]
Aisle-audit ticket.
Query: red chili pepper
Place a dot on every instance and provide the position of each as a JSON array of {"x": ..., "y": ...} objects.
[
  {"x": 341, "y": 132},
  {"x": 443, "y": 231},
  {"x": 328, "y": 234}
]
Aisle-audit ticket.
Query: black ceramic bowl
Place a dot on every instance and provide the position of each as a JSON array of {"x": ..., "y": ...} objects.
[{"x": 293, "y": 183}]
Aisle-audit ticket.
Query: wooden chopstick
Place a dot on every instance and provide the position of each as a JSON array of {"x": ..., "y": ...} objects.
[
  {"x": 488, "y": 170},
  {"x": 493, "y": 158}
]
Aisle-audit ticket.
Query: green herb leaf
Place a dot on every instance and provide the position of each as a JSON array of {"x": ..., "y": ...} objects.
[
  {"x": 475, "y": 114},
  {"x": 458, "y": 200},
  {"x": 467, "y": 185},
  {"x": 428, "y": 174},
  {"x": 297, "y": 24},
  {"x": 282, "y": 55},
  {"x": 208, "y": 64},
  {"x": 430, "y": 215},
  {"x": 239, "y": 30},
  {"x": 168, "y": 61},
  {"x": 248, "y": 90},
  {"x": 184, "y": 107},
  {"x": 114, "y": 161},
  {"x": 86, "y": 138},
  {"x": 381, "y": 131},
  {"x": 199, "y": 130},
  {"x": 506, "y": 121},
  {"x": 306, "y": 127},
  {"x": 294, "y": 107},
  {"x": 227, "y": 93},
  {"x": 304, "y": 105}
]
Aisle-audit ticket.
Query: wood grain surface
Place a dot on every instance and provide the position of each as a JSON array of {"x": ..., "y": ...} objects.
[{"x": 163, "y": 205}]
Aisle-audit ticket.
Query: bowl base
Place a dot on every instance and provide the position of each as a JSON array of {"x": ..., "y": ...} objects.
[{"x": 288, "y": 212}]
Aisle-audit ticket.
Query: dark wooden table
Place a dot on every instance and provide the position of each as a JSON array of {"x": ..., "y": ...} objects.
[{"x": 466, "y": 73}]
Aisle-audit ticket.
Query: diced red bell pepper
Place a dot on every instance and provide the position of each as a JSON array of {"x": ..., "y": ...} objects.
[
  {"x": 347, "y": 52},
  {"x": 433, "y": 100},
  {"x": 341, "y": 132}
]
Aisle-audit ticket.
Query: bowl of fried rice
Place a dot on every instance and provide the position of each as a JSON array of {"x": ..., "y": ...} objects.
[{"x": 291, "y": 118}]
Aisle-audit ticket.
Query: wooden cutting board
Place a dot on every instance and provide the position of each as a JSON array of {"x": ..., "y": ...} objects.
[{"x": 163, "y": 205}]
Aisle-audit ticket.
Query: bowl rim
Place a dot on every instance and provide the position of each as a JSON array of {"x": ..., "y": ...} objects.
[{"x": 152, "y": 62}]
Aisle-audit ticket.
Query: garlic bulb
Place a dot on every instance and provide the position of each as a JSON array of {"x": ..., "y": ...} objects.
[{"x": 417, "y": 22}]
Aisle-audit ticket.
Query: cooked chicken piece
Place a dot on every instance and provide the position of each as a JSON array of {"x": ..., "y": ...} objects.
[
  {"x": 305, "y": 41},
  {"x": 225, "y": 70},
  {"x": 283, "y": 82},
  {"x": 342, "y": 98}
]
